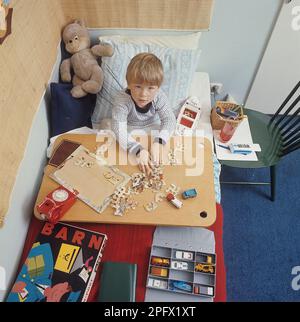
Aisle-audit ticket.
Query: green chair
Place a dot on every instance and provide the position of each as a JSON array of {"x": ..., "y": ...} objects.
[{"x": 278, "y": 136}]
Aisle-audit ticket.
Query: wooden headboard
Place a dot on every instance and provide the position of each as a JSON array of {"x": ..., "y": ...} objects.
[{"x": 157, "y": 14}]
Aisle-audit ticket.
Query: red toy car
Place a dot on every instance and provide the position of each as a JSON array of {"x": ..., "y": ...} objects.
[{"x": 56, "y": 204}]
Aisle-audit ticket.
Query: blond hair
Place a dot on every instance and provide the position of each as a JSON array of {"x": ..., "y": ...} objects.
[{"x": 145, "y": 68}]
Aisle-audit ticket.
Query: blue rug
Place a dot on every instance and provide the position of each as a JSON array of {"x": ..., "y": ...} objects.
[{"x": 261, "y": 237}]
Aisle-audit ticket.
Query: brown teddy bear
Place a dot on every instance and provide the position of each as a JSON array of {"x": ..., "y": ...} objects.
[{"x": 88, "y": 75}]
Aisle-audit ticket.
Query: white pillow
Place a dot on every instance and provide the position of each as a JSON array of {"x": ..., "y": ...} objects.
[{"x": 179, "y": 68}]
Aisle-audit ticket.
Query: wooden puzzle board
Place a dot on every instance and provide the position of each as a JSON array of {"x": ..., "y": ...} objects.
[
  {"x": 85, "y": 174},
  {"x": 200, "y": 165}
]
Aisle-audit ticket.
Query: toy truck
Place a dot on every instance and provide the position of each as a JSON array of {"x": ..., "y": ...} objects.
[
  {"x": 189, "y": 115},
  {"x": 176, "y": 202},
  {"x": 56, "y": 204}
]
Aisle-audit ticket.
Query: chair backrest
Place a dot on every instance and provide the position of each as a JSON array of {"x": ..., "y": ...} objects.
[{"x": 287, "y": 124}]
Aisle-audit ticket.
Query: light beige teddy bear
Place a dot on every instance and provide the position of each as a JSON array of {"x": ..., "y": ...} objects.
[{"x": 88, "y": 75}]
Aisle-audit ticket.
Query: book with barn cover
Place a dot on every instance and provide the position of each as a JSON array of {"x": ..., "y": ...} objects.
[{"x": 61, "y": 265}]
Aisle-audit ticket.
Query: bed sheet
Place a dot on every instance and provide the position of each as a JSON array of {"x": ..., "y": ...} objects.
[{"x": 200, "y": 87}]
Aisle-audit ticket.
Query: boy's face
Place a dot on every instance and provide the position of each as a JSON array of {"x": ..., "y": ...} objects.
[{"x": 143, "y": 93}]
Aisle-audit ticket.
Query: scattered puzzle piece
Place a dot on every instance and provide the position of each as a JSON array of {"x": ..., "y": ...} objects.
[
  {"x": 82, "y": 162},
  {"x": 173, "y": 189},
  {"x": 159, "y": 196},
  {"x": 122, "y": 199},
  {"x": 104, "y": 147},
  {"x": 150, "y": 206},
  {"x": 179, "y": 147}
]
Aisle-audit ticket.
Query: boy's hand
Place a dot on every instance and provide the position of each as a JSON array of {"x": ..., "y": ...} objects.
[
  {"x": 143, "y": 160},
  {"x": 156, "y": 153}
]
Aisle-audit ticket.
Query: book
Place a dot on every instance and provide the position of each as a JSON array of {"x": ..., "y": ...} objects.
[
  {"x": 62, "y": 152},
  {"x": 61, "y": 265},
  {"x": 118, "y": 282}
]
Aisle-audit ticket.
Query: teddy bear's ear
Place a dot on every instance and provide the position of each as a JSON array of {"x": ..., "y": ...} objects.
[{"x": 80, "y": 22}]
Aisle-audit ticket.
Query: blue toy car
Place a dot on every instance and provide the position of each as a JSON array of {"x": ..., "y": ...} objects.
[
  {"x": 191, "y": 193},
  {"x": 180, "y": 285}
]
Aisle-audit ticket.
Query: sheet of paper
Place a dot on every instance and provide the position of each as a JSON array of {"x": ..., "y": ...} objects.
[{"x": 242, "y": 135}]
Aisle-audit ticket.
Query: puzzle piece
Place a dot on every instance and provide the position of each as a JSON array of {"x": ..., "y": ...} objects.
[
  {"x": 121, "y": 200},
  {"x": 111, "y": 177},
  {"x": 172, "y": 157},
  {"x": 179, "y": 147},
  {"x": 82, "y": 162},
  {"x": 104, "y": 147},
  {"x": 137, "y": 179},
  {"x": 159, "y": 196},
  {"x": 101, "y": 149},
  {"x": 120, "y": 209},
  {"x": 173, "y": 189},
  {"x": 151, "y": 206}
]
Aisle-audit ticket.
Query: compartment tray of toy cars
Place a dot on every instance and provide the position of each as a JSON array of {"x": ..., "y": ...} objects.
[{"x": 182, "y": 271}]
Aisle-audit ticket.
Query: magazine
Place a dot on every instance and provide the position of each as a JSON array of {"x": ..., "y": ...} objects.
[{"x": 61, "y": 265}]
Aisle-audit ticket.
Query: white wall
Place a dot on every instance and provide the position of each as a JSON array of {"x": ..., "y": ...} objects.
[
  {"x": 278, "y": 72},
  {"x": 13, "y": 233},
  {"x": 232, "y": 49}
]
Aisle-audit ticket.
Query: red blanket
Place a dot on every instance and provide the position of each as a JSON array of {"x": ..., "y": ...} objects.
[{"x": 132, "y": 243}]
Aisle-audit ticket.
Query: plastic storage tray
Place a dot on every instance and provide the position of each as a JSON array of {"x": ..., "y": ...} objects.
[{"x": 182, "y": 271}]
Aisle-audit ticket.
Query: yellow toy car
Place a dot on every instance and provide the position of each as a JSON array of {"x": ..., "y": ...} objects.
[
  {"x": 158, "y": 271},
  {"x": 160, "y": 261}
]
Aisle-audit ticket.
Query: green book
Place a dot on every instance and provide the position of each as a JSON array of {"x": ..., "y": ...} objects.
[{"x": 118, "y": 282}]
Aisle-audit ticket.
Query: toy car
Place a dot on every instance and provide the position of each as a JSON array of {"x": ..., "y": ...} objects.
[
  {"x": 153, "y": 282},
  {"x": 204, "y": 268},
  {"x": 160, "y": 261},
  {"x": 209, "y": 259},
  {"x": 203, "y": 290},
  {"x": 184, "y": 255},
  {"x": 191, "y": 193},
  {"x": 179, "y": 265},
  {"x": 176, "y": 202},
  {"x": 189, "y": 115},
  {"x": 180, "y": 285},
  {"x": 158, "y": 271},
  {"x": 227, "y": 113},
  {"x": 56, "y": 204}
]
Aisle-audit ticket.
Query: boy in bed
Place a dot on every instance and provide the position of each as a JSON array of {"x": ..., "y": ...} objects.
[{"x": 141, "y": 105}]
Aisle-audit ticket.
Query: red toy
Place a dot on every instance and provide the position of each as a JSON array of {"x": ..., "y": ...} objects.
[
  {"x": 171, "y": 198},
  {"x": 56, "y": 204}
]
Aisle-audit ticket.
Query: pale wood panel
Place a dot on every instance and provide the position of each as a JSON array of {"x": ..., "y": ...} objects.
[
  {"x": 166, "y": 214},
  {"x": 27, "y": 57},
  {"x": 158, "y": 14}
]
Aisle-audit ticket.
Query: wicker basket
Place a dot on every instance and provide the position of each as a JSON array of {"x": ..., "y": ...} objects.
[{"x": 217, "y": 121}]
